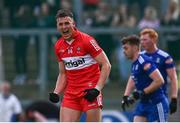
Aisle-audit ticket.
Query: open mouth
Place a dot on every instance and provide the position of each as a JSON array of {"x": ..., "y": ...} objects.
[{"x": 66, "y": 32}]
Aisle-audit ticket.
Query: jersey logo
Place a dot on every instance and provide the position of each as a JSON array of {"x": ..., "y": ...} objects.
[
  {"x": 169, "y": 61},
  {"x": 95, "y": 45},
  {"x": 71, "y": 63},
  {"x": 158, "y": 60},
  {"x": 78, "y": 49},
  {"x": 147, "y": 66}
]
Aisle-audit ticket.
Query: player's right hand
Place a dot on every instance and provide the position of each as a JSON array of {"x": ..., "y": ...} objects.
[
  {"x": 91, "y": 94},
  {"x": 139, "y": 95},
  {"x": 126, "y": 101},
  {"x": 53, "y": 97}
]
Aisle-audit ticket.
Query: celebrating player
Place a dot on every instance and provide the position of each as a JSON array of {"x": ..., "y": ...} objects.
[
  {"x": 80, "y": 77},
  {"x": 153, "y": 104}
]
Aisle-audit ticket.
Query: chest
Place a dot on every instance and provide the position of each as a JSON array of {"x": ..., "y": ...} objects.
[
  {"x": 137, "y": 72},
  {"x": 74, "y": 49},
  {"x": 159, "y": 62}
]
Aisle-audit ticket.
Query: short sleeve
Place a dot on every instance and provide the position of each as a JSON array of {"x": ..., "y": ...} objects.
[
  {"x": 169, "y": 63},
  {"x": 149, "y": 67},
  {"x": 92, "y": 47},
  {"x": 58, "y": 51}
]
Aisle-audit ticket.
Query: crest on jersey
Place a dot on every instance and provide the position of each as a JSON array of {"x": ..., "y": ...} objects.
[
  {"x": 78, "y": 49},
  {"x": 147, "y": 66}
]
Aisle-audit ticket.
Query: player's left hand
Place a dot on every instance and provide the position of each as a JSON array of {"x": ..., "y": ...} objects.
[
  {"x": 91, "y": 94},
  {"x": 53, "y": 97},
  {"x": 173, "y": 105}
]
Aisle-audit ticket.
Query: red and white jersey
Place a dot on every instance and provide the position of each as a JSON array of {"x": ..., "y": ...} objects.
[{"x": 78, "y": 57}]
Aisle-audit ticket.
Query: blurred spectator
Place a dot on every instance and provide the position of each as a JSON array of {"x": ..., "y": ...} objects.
[
  {"x": 172, "y": 19},
  {"x": 44, "y": 19},
  {"x": 121, "y": 19},
  {"x": 103, "y": 18},
  {"x": 120, "y": 16},
  {"x": 150, "y": 18},
  {"x": 40, "y": 111},
  {"x": 23, "y": 19},
  {"x": 131, "y": 21},
  {"x": 66, "y": 4},
  {"x": 10, "y": 107},
  {"x": 90, "y": 5},
  {"x": 141, "y": 6}
]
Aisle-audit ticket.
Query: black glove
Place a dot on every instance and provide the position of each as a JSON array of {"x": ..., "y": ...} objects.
[
  {"x": 91, "y": 94},
  {"x": 173, "y": 105},
  {"x": 53, "y": 97},
  {"x": 126, "y": 102},
  {"x": 139, "y": 95}
]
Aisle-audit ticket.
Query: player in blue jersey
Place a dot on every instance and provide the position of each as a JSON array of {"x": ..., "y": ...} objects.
[
  {"x": 153, "y": 104},
  {"x": 164, "y": 63}
]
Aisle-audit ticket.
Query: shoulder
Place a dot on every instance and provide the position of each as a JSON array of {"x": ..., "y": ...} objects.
[
  {"x": 143, "y": 52},
  {"x": 163, "y": 53},
  {"x": 86, "y": 37},
  {"x": 13, "y": 98},
  {"x": 143, "y": 58},
  {"x": 58, "y": 43}
]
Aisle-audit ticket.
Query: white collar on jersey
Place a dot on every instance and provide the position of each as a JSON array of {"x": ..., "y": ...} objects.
[{"x": 70, "y": 42}]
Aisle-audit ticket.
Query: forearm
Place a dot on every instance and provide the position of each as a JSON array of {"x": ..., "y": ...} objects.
[
  {"x": 105, "y": 71},
  {"x": 153, "y": 86},
  {"x": 174, "y": 88},
  {"x": 60, "y": 84},
  {"x": 174, "y": 82},
  {"x": 129, "y": 87}
]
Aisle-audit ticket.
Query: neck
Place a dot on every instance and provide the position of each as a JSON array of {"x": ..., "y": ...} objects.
[
  {"x": 152, "y": 50},
  {"x": 135, "y": 57}
]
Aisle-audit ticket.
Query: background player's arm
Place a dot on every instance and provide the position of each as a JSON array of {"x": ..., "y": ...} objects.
[
  {"x": 105, "y": 69},
  {"x": 156, "y": 83},
  {"x": 129, "y": 87},
  {"x": 174, "y": 82},
  {"x": 61, "y": 80}
]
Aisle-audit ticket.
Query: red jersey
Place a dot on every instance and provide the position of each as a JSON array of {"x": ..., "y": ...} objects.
[{"x": 81, "y": 68}]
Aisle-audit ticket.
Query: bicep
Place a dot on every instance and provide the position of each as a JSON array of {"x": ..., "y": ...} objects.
[
  {"x": 156, "y": 75},
  {"x": 102, "y": 58},
  {"x": 61, "y": 67},
  {"x": 171, "y": 72}
]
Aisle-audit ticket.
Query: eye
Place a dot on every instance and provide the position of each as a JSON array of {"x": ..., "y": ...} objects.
[
  {"x": 66, "y": 23},
  {"x": 60, "y": 24}
]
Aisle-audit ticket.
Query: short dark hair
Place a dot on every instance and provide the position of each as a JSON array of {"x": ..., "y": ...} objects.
[
  {"x": 132, "y": 40},
  {"x": 64, "y": 13}
]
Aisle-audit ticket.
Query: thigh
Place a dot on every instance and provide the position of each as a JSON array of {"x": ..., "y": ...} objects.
[
  {"x": 158, "y": 112},
  {"x": 139, "y": 119},
  {"x": 69, "y": 115},
  {"x": 94, "y": 115}
]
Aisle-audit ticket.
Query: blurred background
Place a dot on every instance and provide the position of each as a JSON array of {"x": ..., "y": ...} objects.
[{"x": 28, "y": 33}]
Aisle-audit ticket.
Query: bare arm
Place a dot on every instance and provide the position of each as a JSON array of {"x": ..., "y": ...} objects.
[
  {"x": 129, "y": 87},
  {"x": 105, "y": 69},
  {"x": 174, "y": 82},
  {"x": 61, "y": 80},
  {"x": 156, "y": 83}
]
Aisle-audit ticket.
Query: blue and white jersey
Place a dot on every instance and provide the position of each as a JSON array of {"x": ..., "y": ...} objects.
[
  {"x": 163, "y": 61},
  {"x": 140, "y": 71}
]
